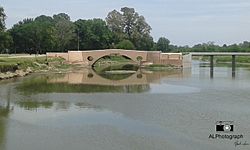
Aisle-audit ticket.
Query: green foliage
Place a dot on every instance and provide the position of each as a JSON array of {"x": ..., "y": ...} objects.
[
  {"x": 4, "y": 67},
  {"x": 44, "y": 18},
  {"x": 61, "y": 16},
  {"x": 43, "y": 34},
  {"x": 111, "y": 61},
  {"x": 2, "y": 19},
  {"x": 93, "y": 34},
  {"x": 118, "y": 58},
  {"x": 144, "y": 42},
  {"x": 139, "y": 58},
  {"x": 239, "y": 59},
  {"x": 64, "y": 32},
  {"x": 211, "y": 47},
  {"x": 32, "y": 37},
  {"x": 130, "y": 25},
  {"x": 35, "y": 63},
  {"x": 59, "y": 33},
  {"x": 5, "y": 38},
  {"x": 163, "y": 44},
  {"x": 125, "y": 44},
  {"x": 6, "y": 42}
]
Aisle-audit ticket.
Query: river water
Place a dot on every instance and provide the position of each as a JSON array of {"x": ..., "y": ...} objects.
[{"x": 143, "y": 110}]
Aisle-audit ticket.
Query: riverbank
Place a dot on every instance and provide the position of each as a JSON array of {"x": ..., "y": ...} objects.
[
  {"x": 19, "y": 66},
  {"x": 225, "y": 59},
  {"x": 17, "y": 73}
]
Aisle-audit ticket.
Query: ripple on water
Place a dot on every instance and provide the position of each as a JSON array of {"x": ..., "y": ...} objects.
[{"x": 172, "y": 89}]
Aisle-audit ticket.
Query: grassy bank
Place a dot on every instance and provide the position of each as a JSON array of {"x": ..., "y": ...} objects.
[
  {"x": 239, "y": 59},
  {"x": 34, "y": 63},
  {"x": 20, "y": 66},
  {"x": 5, "y": 67},
  {"x": 228, "y": 59}
]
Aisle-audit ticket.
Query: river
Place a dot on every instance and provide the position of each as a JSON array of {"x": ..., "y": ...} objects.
[{"x": 142, "y": 110}]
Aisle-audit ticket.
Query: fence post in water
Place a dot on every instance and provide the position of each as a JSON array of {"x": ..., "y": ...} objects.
[
  {"x": 211, "y": 66},
  {"x": 233, "y": 65}
]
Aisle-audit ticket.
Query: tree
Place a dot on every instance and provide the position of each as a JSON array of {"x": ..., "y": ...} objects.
[
  {"x": 5, "y": 38},
  {"x": 114, "y": 21},
  {"x": 233, "y": 48},
  {"x": 2, "y": 19},
  {"x": 5, "y": 42},
  {"x": 61, "y": 16},
  {"x": 94, "y": 34},
  {"x": 163, "y": 44},
  {"x": 43, "y": 18},
  {"x": 131, "y": 26},
  {"x": 32, "y": 36},
  {"x": 143, "y": 42},
  {"x": 129, "y": 20},
  {"x": 125, "y": 44},
  {"x": 64, "y": 31}
]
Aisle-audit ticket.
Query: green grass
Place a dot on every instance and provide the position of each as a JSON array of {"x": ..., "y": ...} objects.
[
  {"x": 224, "y": 59},
  {"x": 35, "y": 63},
  {"x": 239, "y": 59},
  {"x": 4, "y": 55},
  {"x": 4, "y": 67}
]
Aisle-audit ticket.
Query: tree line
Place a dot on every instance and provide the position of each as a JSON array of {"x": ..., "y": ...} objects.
[
  {"x": 212, "y": 47},
  {"x": 124, "y": 29}
]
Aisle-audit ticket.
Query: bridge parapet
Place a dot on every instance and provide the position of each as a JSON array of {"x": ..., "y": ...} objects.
[{"x": 60, "y": 55}]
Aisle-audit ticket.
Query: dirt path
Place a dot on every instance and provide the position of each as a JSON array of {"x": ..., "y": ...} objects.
[{"x": 25, "y": 56}]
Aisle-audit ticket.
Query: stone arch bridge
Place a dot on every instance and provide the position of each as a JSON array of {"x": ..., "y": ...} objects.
[{"x": 89, "y": 58}]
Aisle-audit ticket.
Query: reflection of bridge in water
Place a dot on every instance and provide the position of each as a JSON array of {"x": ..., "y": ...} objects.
[{"x": 90, "y": 77}]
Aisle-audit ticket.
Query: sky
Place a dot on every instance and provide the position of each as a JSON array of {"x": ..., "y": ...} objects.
[{"x": 183, "y": 22}]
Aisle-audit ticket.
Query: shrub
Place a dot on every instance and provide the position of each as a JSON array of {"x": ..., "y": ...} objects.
[{"x": 125, "y": 44}]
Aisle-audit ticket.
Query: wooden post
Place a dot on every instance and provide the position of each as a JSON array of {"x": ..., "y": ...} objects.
[
  {"x": 211, "y": 66},
  {"x": 233, "y": 65}
]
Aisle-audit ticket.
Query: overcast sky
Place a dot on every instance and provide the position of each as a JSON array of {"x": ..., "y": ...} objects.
[{"x": 183, "y": 22}]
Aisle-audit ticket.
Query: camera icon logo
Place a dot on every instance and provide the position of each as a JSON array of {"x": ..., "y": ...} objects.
[{"x": 224, "y": 126}]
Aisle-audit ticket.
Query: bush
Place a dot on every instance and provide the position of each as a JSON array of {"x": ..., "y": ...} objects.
[{"x": 125, "y": 44}]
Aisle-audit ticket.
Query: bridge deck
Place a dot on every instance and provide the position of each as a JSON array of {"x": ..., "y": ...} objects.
[{"x": 219, "y": 54}]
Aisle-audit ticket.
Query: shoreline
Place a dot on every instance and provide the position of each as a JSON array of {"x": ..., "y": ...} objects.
[
  {"x": 17, "y": 73},
  {"x": 25, "y": 65},
  {"x": 61, "y": 66}
]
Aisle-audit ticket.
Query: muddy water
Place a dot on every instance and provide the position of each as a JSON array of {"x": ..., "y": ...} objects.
[{"x": 140, "y": 110}]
